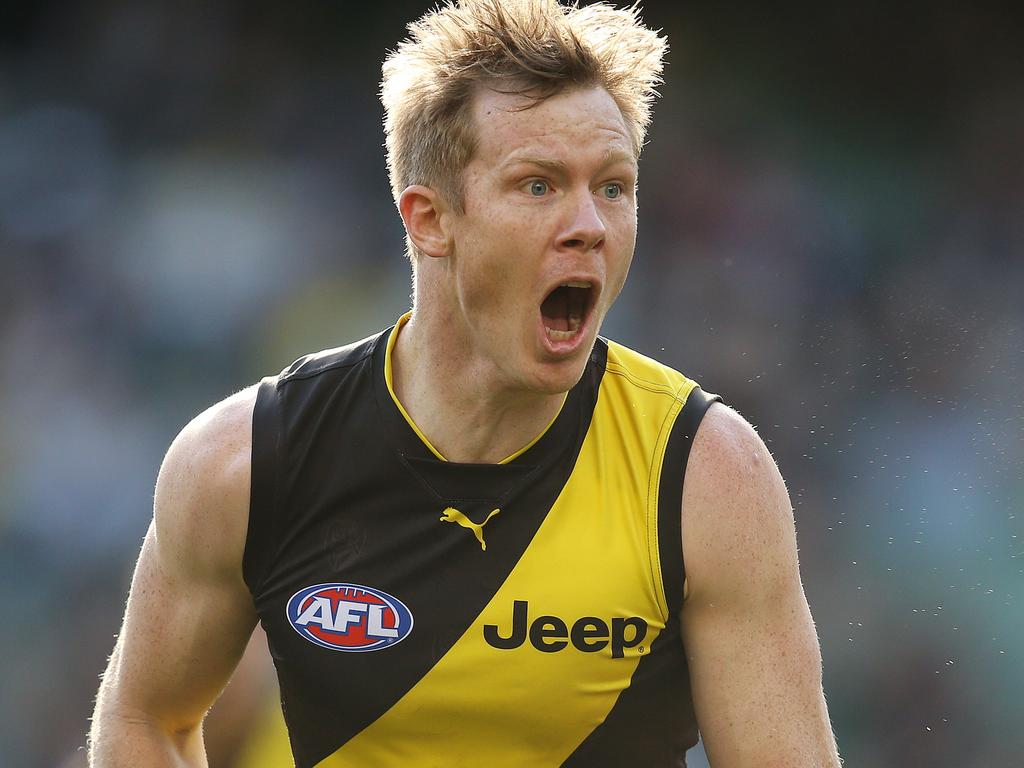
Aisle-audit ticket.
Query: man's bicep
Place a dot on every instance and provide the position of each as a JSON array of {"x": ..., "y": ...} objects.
[
  {"x": 189, "y": 612},
  {"x": 756, "y": 683},
  {"x": 181, "y": 639},
  {"x": 755, "y": 663}
]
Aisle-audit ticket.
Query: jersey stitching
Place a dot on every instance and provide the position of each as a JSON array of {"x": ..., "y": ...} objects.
[
  {"x": 653, "y": 558},
  {"x": 654, "y": 554},
  {"x": 274, "y": 472},
  {"x": 650, "y": 386},
  {"x": 299, "y": 375}
]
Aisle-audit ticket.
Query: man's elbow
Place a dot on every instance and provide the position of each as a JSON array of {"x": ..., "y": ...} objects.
[{"x": 123, "y": 735}]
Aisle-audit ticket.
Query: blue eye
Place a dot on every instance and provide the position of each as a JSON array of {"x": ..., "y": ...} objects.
[
  {"x": 612, "y": 191},
  {"x": 538, "y": 188}
]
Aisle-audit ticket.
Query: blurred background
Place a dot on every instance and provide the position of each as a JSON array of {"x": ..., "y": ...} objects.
[{"x": 831, "y": 236}]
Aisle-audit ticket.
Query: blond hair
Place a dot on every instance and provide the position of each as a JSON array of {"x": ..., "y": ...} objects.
[{"x": 536, "y": 48}]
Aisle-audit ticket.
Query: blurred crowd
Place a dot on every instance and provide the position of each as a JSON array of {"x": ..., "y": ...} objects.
[{"x": 831, "y": 236}]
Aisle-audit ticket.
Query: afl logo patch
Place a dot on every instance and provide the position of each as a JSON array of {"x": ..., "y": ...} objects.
[{"x": 349, "y": 617}]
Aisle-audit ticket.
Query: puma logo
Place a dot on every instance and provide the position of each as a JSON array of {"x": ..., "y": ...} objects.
[{"x": 452, "y": 515}]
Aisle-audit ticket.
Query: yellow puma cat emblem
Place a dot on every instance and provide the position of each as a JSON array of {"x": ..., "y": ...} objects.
[{"x": 452, "y": 515}]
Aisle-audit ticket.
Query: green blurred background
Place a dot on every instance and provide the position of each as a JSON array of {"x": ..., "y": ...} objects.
[{"x": 831, "y": 236}]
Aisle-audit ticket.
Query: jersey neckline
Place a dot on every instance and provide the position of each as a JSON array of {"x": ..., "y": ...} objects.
[{"x": 577, "y": 406}]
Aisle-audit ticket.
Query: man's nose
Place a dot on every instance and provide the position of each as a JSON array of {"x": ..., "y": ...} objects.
[{"x": 585, "y": 229}]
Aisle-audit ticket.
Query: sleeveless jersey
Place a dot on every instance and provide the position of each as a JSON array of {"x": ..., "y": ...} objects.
[{"x": 422, "y": 612}]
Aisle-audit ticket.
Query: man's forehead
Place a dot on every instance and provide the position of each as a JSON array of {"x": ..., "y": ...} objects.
[{"x": 512, "y": 126}]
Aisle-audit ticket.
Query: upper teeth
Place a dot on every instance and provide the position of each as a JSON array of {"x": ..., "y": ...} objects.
[{"x": 575, "y": 285}]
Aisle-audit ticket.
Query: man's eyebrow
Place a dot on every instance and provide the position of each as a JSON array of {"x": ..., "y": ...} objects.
[
  {"x": 618, "y": 156},
  {"x": 553, "y": 165},
  {"x": 611, "y": 158}
]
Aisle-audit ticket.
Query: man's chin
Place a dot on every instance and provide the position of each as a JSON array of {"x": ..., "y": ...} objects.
[{"x": 556, "y": 377}]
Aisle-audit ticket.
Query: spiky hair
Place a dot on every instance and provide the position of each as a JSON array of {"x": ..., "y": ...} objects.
[{"x": 536, "y": 48}]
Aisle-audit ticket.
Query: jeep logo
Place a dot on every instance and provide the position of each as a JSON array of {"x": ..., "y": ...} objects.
[{"x": 550, "y": 633}]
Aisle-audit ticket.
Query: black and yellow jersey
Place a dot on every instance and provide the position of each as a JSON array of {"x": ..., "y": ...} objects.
[{"x": 422, "y": 612}]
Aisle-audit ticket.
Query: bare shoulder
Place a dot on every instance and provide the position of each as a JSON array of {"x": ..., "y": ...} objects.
[
  {"x": 201, "y": 507},
  {"x": 737, "y": 519},
  {"x": 729, "y": 455}
]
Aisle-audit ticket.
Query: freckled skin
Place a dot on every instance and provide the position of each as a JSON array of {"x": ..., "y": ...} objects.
[
  {"x": 755, "y": 663},
  {"x": 510, "y": 245},
  {"x": 471, "y": 366},
  {"x": 189, "y": 612}
]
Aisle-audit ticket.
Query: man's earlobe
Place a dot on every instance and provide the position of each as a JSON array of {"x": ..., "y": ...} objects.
[{"x": 423, "y": 210}]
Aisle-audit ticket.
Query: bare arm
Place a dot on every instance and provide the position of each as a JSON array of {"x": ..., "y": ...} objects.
[
  {"x": 189, "y": 612},
  {"x": 755, "y": 662}
]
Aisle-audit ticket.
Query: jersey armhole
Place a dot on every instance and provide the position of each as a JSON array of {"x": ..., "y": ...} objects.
[
  {"x": 263, "y": 491},
  {"x": 670, "y": 495}
]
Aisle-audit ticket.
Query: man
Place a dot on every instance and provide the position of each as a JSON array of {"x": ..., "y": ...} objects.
[{"x": 465, "y": 536}]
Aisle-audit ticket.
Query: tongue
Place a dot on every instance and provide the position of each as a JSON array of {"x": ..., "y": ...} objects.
[{"x": 555, "y": 310}]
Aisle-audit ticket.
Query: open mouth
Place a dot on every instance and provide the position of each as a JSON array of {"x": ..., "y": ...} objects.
[{"x": 565, "y": 310}]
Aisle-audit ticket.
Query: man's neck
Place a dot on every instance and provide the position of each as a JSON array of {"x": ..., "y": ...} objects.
[{"x": 458, "y": 402}]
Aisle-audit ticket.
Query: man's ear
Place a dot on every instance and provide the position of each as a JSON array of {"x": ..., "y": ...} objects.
[{"x": 425, "y": 214}]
